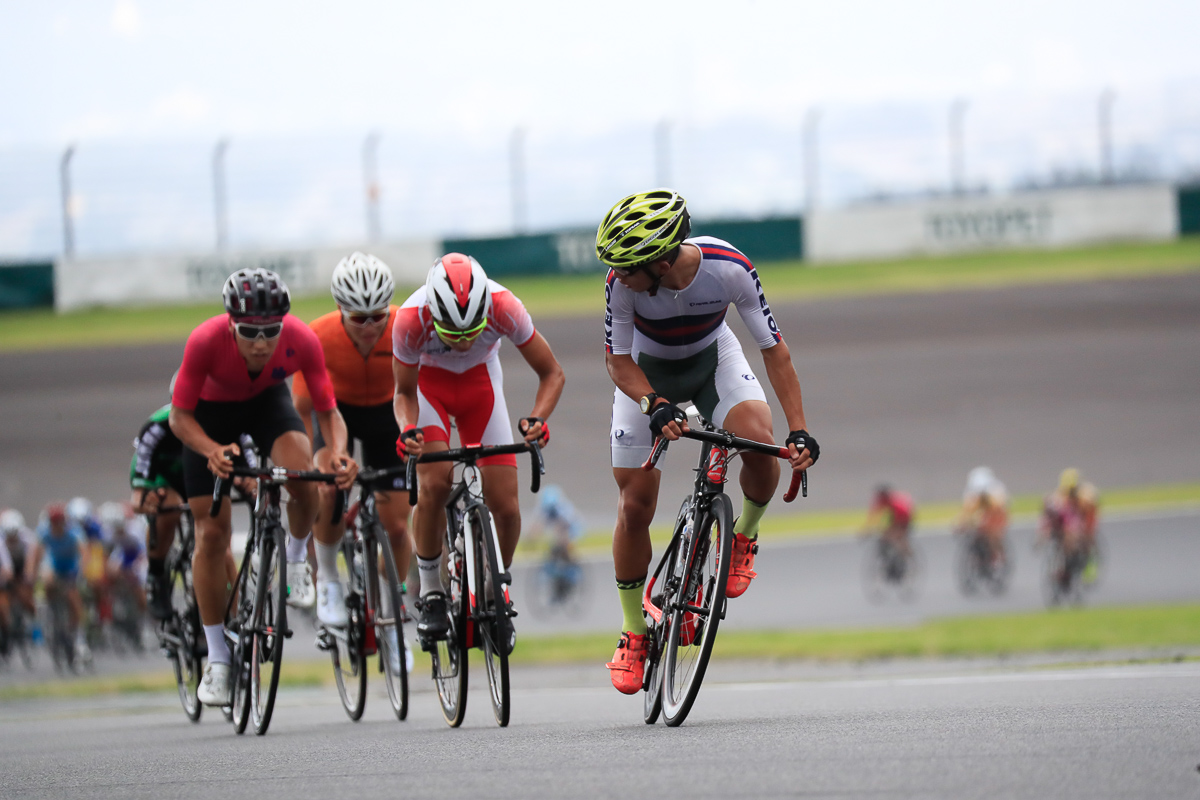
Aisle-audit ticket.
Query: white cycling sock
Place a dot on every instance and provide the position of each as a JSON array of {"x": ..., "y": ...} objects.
[
  {"x": 297, "y": 549},
  {"x": 327, "y": 569},
  {"x": 430, "y": 570},
  {"x": 218, "y": 650}
]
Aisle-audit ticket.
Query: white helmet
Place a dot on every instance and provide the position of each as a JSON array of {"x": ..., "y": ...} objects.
[
  {"x": 458, "y": 293},
  {"x": 362, "y": 283},
  {"x": 79, "y": 509},
  {"x": 112, "y": 517},
  {"x": 11, "y": 521}
]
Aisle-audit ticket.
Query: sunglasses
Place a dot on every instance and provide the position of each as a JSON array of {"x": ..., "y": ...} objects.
[
  {"x": 252, "y": 332},
  {"x": 367, "y": 319},
  {"x": 451, "y": 335},
  {"x": 627, "y": 272}
]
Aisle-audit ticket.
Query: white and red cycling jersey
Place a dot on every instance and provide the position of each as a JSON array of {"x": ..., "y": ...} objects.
[
  {"x": 468, "y": 385},
  {"x": 214, "y": 370}
]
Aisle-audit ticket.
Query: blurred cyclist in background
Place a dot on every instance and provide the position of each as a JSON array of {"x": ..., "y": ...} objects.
[
  {"x": 985, "y": 509},
  {"x": 556, "y": 514},
  {"x": 891, "y": 516},
  {"x": 61, "y": 544},
  {"x": 127, "y": 533},
  {"x": 20, "y": 543},
  {"x": 156, "y": 478},
  {"x": 1069, "y": 518}
]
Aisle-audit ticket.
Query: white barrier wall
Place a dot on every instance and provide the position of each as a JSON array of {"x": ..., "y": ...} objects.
[
  {"x": 1037, "y": 219},
  {"x": 173, "y": 278}
]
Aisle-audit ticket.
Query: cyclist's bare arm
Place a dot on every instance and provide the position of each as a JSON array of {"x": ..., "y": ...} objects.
[
  {"x": 184, "y": 425},
  {"x": 304, "y": 407},
  {"x": 628, "y": 377},
  {"x": 404, "y": 402},
  {"x": 333, "y": 429},
  {"x": 782, "y": 373},
  {"x": 538, "y": 356}
]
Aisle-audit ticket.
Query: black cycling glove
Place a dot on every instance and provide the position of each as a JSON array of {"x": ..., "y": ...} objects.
[
  {"x": 803, "y": 439},
  {"x": 662, "y": 415}
]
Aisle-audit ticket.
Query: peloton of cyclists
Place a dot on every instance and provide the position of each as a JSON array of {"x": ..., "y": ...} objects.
[
  {"x": 357, "y": 341},
  {"x": 1069, "y": 518},
  {"x": 985, "y": 510},
  {"x": 232, "y": 381},
  {"x": 666, "y": 342},
  {"x": 446, "y": 342}
]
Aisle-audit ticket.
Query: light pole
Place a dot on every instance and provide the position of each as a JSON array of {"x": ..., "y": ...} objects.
[
  {"x": 662, "y": 153},
  {"x": 811, "y": 165},
  {"x": 516, "y": 162},
  {"x": 1104, "y": 120},
  {"x": 958, "y": 111},
  {"x": 371, "y": 181},
  {"x": 64, "y": 175},
  {"x": 219, "y": 211}
]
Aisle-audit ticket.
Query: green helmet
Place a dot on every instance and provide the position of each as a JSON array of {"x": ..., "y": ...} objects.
[{"x": 642, "y": 227}]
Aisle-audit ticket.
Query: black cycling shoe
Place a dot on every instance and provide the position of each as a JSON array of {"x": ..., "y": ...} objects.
[
  {"x": 508, "y": 634},
  {"x": 435, "y": 618},
  {"x": 158, "y": 600}
]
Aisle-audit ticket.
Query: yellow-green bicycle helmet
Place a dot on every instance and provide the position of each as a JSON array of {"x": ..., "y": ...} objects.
[{"x": 642, "y": 227}]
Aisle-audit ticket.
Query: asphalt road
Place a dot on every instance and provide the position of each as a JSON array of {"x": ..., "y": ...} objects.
[
  {"x": 961, "y": 731},
  {"x": 912, "y": 389}
]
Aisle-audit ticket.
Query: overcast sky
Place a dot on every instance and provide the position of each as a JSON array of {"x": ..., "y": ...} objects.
[{"x": 174, "y": 73}]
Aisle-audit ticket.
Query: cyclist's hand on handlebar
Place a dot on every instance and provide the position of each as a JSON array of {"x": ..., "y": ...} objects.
[
  {"x": 248, "y": 486},
  {"x": 803, "y": 450},
  {"x": 535, "y": 429},
  {"x": 668, "y": 421},
  {"x": 410, "y": 443},
  {"x": 220, "y": 459},
  {"x": 346, "y": 469}
]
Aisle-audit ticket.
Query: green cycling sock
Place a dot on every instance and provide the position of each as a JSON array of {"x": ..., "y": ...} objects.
[
  {"x": 631, "y": 606},
  {"x": 747, "y": 523}
]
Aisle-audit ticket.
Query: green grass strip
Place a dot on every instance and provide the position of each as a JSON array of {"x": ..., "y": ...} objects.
[{"x": 580, "y": 295}]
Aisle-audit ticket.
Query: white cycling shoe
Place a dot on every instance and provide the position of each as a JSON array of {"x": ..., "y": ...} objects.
[
  {"x": 215, "y": 686},
  {"x": 301, "y": 592},
  {"x": 394, "y": 653},
  {"x": 331, "y": 604}
]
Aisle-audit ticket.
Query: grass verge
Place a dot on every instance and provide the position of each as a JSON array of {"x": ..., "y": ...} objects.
[
  {"x": 1063, "y": 630},
  {"x": 574, "y": 295}
]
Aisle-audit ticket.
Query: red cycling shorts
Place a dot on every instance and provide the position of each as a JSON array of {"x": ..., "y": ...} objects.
[{"x": 473, "y": 399}]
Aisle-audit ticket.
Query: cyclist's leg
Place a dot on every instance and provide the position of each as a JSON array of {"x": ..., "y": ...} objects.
[
  {"x": 751, "y": 419},
  {"x": 500, "y": 492},
  {"x": 209, "y": 571},
  {"x": 393, "y": 510}
]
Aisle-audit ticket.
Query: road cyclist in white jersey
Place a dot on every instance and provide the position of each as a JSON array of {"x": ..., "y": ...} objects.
[
  {"x": 446, "y": 343},
  {"x": 667, "y": 342}
]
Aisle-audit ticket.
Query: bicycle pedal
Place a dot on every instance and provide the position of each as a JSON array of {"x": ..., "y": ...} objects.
[
  {"x": 287, "y": 633},
  {"x": 506, "y": 578}
]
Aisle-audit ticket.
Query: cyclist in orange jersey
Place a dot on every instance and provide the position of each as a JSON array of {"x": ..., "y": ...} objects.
[{"x": 357, "y": 340}]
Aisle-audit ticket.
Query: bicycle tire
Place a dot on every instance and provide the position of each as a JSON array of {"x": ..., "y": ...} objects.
[
  {"x": 657, "y": 631},
  {"x": 707, "y": 558},
  {"x": 492, "y": 610},
  {"x": 269, "y": 628},
  {"x": 449, "y": 656},
  {"x": 396, "y": 680},
  {"x": 186, "y": 623},
  {"x": 240, "y": 628},
  {"x": 347, "y": 654}
]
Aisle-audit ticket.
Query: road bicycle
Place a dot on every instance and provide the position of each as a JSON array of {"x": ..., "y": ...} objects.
[
  {"x": 256, "y": 616},
  {"x": 475, "y": 579},
  {"x": 181, "y": 636},
  {"x": 978, "y": 565},
  {"x": 18, "y": 636},
  {"x": 558, "y": 583},
  {"x": 684, "y": 599},
  {"x": 375, "y": 609},
  {"x": 887, "y": 567}
]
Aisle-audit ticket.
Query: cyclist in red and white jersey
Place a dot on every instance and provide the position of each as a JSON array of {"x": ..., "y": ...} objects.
[
  {"x": 446, "y": 343},
  {"x": 666, "y": 342},
  {"x": 232, "y": 381}
]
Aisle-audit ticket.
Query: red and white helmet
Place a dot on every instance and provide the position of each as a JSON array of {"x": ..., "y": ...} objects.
[{"x": 458, "y": 293}]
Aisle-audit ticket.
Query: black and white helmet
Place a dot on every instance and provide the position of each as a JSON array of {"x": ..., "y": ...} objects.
[
  {"x": 256, "y": 293},
  {"x": 362, "y": 283}
]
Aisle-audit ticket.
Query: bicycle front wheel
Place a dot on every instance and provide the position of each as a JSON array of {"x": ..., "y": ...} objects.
[
  {"x": 349, "y": 660},
  {"x": 696, "y": 609},
  {"x": 449, "y": 657},
  {"x": 389, "y": 630},
  {"x": 269, "y": 628},
  {"x": 492, "y": 616}
]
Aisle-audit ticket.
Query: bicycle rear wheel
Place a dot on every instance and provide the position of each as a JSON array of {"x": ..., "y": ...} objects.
[
  {"x": 186, "y": 625},
  {"x": 492, "y": 616},
  {"x": 697, "y": 609},
  {"x": 269, "y": 628},
  {"x": 349, "y": 660},
  {"x": 450, "y": 656},
  {"x": 389, "y": 629},
  {"x": 239, "y": 627}
]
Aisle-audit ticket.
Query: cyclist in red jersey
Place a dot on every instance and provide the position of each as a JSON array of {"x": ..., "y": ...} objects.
[
  {"x": 232, "y": 381},
  {"x": 357, "y": 340},
  {"x": 897, "y": 507},
  {"x": 446, "y": 340}
]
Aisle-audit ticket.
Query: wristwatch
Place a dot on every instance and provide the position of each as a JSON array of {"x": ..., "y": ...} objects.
[{"x": 647, "y": 403}]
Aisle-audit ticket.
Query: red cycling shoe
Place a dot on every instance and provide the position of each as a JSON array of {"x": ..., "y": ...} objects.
[
  {"x": 628, "y": 667},
  {"x": 741, "y": 569}
]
